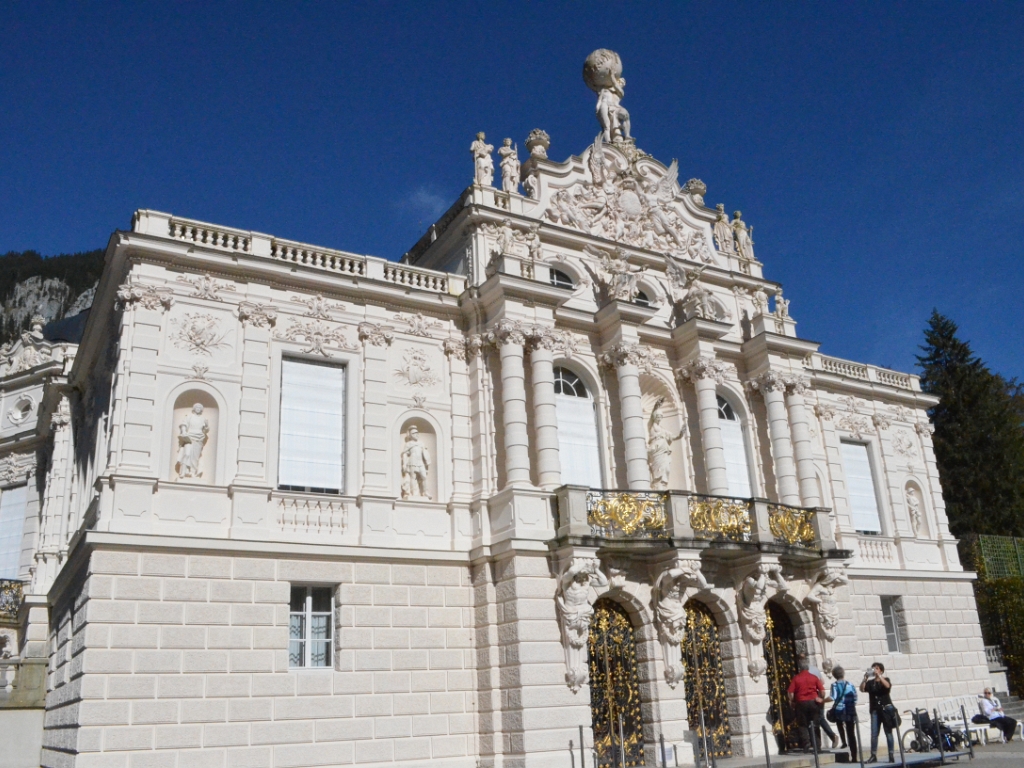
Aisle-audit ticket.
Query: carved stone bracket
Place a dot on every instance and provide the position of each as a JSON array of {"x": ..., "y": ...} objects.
[
  {"x": 146, "y": 296},
  {"x": 375, "y": 334},
  {"x": 574, "y": 612},
  {"x": 701, "y": 368},
  {"x": 61, "y": 418},
  {"x": 257, "y": 315},
  {"x": 625, "y": 353},
  {"x": 668, "y": 600},
  {"x": 552, "y": 339},
  {"x": 798, "y": 384},
  {"x": 506, "y": 331}
]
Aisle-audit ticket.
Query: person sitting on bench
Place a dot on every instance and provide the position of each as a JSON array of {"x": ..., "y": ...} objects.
[{"x": 993, "y": 710}]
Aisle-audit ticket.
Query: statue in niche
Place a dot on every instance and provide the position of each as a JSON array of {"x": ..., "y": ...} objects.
[
  {"x": 193, "y": 433},
  {"x": 743, "y": 236},
  {"x": 659, "y": 448},
  {"x": 483, "y": 163},
  {"x": 602, "y": 72},
  {"x": 913, "y": 509},
  {"x": 509, "y": 167},
  {"x": 415, "y": 466},
  {"x": 723, "y": 231}
]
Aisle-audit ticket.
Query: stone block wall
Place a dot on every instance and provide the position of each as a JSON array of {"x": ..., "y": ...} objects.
[
  {"x": 942, "y": 653},
  {"x": 182, "y": 660}
]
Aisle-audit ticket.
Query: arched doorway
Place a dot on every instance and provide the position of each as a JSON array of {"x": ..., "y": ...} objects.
[
  {"x": 614, "y": 687},
  {"x": 706, "y": 705},
  {"x": 780, "y": 656}
]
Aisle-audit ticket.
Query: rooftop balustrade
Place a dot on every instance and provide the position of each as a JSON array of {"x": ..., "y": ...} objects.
[{"x": 646, "y": 516}]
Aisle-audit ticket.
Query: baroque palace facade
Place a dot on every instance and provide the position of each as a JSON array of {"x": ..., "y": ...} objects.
[{"x": 565, "y": 471}]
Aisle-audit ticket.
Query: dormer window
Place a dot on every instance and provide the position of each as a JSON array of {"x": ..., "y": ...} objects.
[{"x": 559, "y": 279}]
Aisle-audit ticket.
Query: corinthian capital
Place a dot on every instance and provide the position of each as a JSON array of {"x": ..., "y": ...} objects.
[
  {"x": 552, "y": 339},
  {"x": 701, "y": 368},
  {"x": 625, "y": 353},
  {"x": 507, "y": 331},
  {"x": 798, "y": 385},
  {"x": 769, "y": 381}
]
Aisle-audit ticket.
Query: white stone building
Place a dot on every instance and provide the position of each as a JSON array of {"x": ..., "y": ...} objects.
[{"x": 568, "y": 461}]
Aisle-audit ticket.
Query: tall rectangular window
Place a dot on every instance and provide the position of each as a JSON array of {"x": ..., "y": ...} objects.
[
  {"x": 310, "y": 622},
  {"x": 860, "y": 485},
  {"x": 12, "y": 527},
  {"x": 891, "y": 609},
  {"x": 312, "y": 438}
]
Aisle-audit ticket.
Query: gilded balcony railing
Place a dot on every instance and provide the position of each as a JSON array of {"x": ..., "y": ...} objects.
[
  {"x": 718, "y": 518},
  {"x": 792, "y": 525},
  {"x": 11, "y": 595},
  {"x": 628, "y": 514}
]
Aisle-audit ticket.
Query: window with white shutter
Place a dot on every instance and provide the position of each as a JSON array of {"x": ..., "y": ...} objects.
[
  {"x": 737, "y": 467},
  {"x": 578, "y": 450},
  {"x": 311, "y": 444},
  {"x": 12, "y": 527},
  {"x": 860, "y": 486}
]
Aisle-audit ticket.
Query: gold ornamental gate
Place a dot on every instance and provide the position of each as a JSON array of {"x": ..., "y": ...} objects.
[
  {"x": 614, "y": 687},
  {"x": 780, "y": 656},
  {"x": 706, "y": 705}
]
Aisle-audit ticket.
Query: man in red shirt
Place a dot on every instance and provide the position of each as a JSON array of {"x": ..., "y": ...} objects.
[{"x": 806, "y": 695}]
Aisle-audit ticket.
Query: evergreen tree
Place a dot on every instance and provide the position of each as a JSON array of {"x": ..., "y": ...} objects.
[{"x": 979, "y": 434}]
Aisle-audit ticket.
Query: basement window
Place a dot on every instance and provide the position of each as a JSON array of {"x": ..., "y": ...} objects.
[{"x": 310, "y": 625}]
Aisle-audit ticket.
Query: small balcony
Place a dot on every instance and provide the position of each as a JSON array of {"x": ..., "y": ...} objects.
[{"x": 673, "y": 518}]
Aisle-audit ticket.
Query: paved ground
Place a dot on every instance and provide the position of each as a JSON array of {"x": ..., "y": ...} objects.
[{"x": 999, "y": 755}]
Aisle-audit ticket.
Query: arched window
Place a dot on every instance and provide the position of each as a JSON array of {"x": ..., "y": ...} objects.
[
  {"x": 642, "y": 299},
  {"x": 559, "y": 279},
  {"x": 578, "y": 449},
  {"x": 737, "y": 468}
]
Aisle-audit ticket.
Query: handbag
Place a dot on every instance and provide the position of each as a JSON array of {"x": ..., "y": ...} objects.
[{"x": 891, "y": 716}]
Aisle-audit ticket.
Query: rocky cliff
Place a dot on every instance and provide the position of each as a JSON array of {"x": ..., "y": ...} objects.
[{"x": 54, "y": 287}]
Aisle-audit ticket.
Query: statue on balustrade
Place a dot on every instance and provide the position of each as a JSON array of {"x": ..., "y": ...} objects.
[
  {"x": 483, "y": 163},
  {"x": 193, "y": 433},
  {"x": 743, "y": 236},
  {"x": 659, "y": 448},
  {"x": 509, "y": 167},
  {"x": 723, "y": 231},
  {"x": 415, "y": 466}
]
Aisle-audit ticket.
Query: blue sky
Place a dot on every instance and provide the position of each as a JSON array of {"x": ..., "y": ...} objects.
[{"x": 878, "y": 149}]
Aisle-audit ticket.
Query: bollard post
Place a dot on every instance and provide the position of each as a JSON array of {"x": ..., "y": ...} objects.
[
  {"x": 814, "y": 744},
  {"x": 860, "y": 743},
  {"x": 938, "y": 730},
  {"x": 622, "y": 744},
  {"x": 664, "y": 757},
  {"x": 899, "y": 741},
  {"x": 767, "y": 757},
  {"x": 583, "y": 761},
  {"x": 967, "y": 732}
]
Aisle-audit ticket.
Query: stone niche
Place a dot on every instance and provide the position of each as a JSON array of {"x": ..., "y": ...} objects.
[
  {"x": 194, "y": 460},
  {"x": 408, "y": 484}
]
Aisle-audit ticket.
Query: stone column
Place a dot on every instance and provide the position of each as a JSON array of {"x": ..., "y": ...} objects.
[
  {"x": 629, "y": 360},
  {"x": 802, "y": 448},
  {"x": 771, "y": 385},
  {"x": 510, "y": 336},
  {"x": 549, "y": 469},
  {"x": 706, "y": 373}
]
